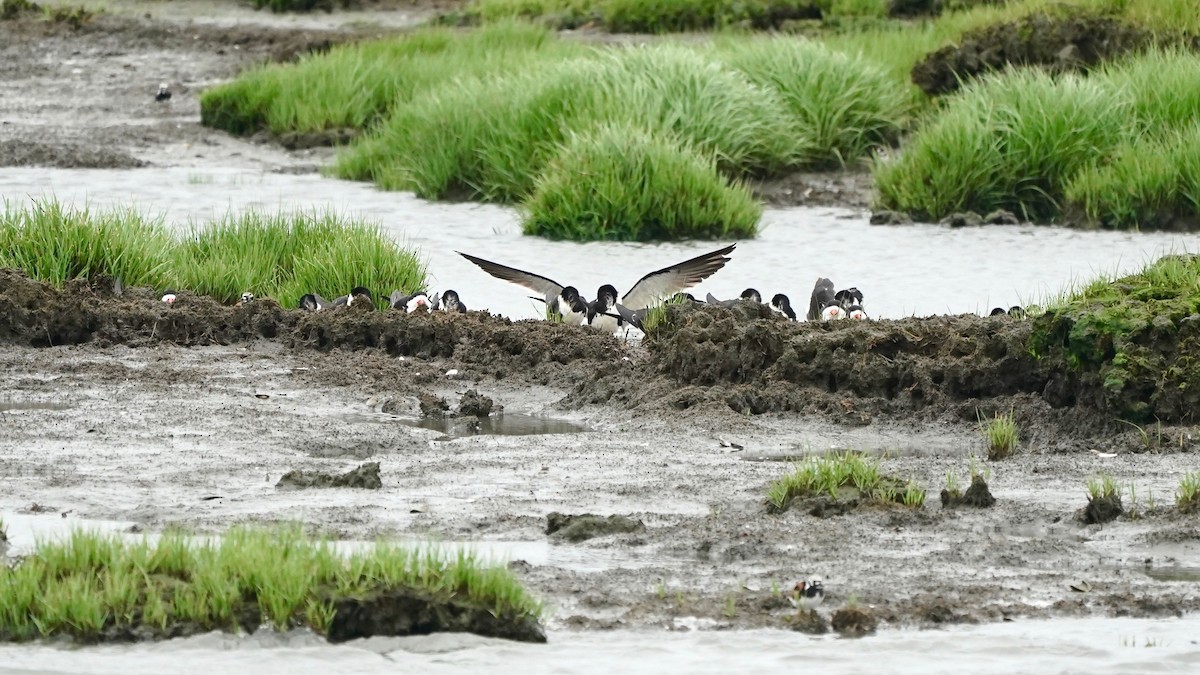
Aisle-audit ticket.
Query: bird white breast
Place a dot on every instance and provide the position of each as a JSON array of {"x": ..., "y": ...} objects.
[
  {"x": 605, "y": 323},
  {"x": 832, "y": 313},
  {"x": 169, "y": 298},
  {"x": 858, "y": 314},
  {"x": 419, "y": 302}
]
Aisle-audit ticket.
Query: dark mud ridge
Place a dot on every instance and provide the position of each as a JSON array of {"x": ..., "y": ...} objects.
[
  {"x": 1065, "y": 40},
  {"x": 744, "y": 359}
]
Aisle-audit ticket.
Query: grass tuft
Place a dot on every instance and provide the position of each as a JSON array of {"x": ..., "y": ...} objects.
[
  {"x": 618, "y": 182},
  {"x": 841, "y": 476},
  {"x": 1187, "y": 497},
  {"x": 281, "y": 256},
  {"x": 1102, "y": 486},
  {"x": 1000, "y": 432},
  {"x": 92, "y": 585}
]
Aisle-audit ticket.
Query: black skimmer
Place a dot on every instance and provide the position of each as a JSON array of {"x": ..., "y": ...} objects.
[
  {"x": 782, "y": 305},
  {"x": 313, "y": 302},
  {"x": 452, "y": 303},
  {"x": 1016, "y": 312},
  {"x": 823, "y": 306},
  {"x": 998, "y": 311},
  {"x": 164, "y": 93},
  {"x": 807, "y": 593},
  {"x": 417, "y": 301},
  {"x": 360, "y": 293},
  {"x": 169, "y": 297},
  {"x": 748, "y": 294},
  {"x": 247, "y": 298},
  {"x": 651, "y": 289}
]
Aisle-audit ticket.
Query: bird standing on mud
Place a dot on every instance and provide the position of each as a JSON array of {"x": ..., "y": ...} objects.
[
  {"x": 164, "y": 93},
  {"x": 780, "y": 304},
  {"x": 823, "y": 305},
  {"x": 452, "y": 303},
  {"x": 807, "y": 593},
  {"x": 416, "y": 302}
]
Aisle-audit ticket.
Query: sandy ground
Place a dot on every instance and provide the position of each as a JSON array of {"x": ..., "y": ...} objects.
[{"x": 162, "y": 435}]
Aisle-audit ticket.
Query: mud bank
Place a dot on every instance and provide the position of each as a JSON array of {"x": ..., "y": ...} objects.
[{"x": 747, "y": 361}]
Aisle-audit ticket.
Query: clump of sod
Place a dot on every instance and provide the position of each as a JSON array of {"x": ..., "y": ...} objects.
[
  {"x": 1000, "y": 434},
  {"x": 1130, "y": 338},
  {"x": 620, "y": 183},
  {"x": 977, "y": 494},
  {"x": 1187, "y": 497},
  {"x": 54, "y": 243},
  {"x": 93, "y": 586},
  {"x": 1104, "y": 500},
  {"x": 284, "y": 256},
  {"x": 846, "y": 477}
]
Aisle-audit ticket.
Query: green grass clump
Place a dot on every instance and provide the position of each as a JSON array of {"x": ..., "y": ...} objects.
[
  {"x": 54, "y": 244},
  {"x": 840, "y": 106},
  {"x": 1187, "y": 497},
  {"x": 1126, "y": 338},
  {"x": 1010, "y": 140},
  {"x": 284, "y": 256},
  {"x": 617, "y": 182},
  {"x": 1117, "y": 146},
  {"x": 1102, "y": 486},
  {"x": 91, "y": 584},
  {"x": 848, "y": 475},
  {"x": 352, "y": 86},
  {"x": 281, "y": 256},
  {"x": 1000, "y": 433}
]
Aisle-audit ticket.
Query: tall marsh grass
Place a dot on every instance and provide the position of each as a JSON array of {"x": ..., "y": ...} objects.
[
  {"x": 282, "y": 256},
  {"x": 1038, "y": 145},
  {"x": 621, "y": 183},
  {"x": 92, "y": 584},
  {"x": 54, "y": 243}
]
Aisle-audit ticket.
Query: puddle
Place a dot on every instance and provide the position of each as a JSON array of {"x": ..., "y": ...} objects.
[
  {"x": 1175, "y": 572},
  {"x": 975, "y": 269},
  {"x": 11, "y": 406},
  {"x": 504, "y": 424}
]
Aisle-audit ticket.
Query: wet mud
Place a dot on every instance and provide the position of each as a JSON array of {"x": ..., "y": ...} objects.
[
  {"x": 390, "y": 613},
  {"x": 977, "y": 495},
  {"x": 577, "y": 528}
]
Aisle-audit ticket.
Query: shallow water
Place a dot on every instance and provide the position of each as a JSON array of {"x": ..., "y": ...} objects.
[
  {"x": 918, "y": 269},
  {"x": 1095, "y": 646},
  {"x": 504, "y": 424}
]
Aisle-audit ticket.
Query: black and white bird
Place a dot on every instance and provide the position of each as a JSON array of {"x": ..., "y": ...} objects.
[
  {"x": 164, "y": 93},
  {"x": 823, "y": 305},
  {"x": 651, "y": 289},
  {"x": 807, "y": 593},
  {"x": 416, "y": 302},
  {"x": 360, "y": 293},
  {"x": 749, "y": 294},
  {"x": 247, "y": 298},
  {"x": 313, "y": 302},
  {"x": 997, "y": 311},
  {"x": 169, "y": 297},
  {"x": 782, "y": 305},
  {"x": 452, "y": 303},
  {"x": 851, "y": 302}
]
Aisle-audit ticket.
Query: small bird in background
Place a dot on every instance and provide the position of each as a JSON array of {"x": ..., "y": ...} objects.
[
  {"x": 823, "y": 305},
  {"x": 412, "y": 303},
  {"x": 313, "y": 302},
  {"x": 452, "y": 303},
  {"x": 164, "y": 93},
  {"x": 169, "y": 297},
  {"x": 807, "y": 593},
  {"x": 247, "y": 298}
]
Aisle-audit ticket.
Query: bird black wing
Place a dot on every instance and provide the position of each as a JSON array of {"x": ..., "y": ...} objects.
[
  {"x": 822, "y": 295},
  {"x": 534, "y": 282},
  {"x": 655, "y": 286}
]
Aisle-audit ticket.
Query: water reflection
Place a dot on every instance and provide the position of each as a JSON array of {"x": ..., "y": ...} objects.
[{"x": 503, "y": 424}]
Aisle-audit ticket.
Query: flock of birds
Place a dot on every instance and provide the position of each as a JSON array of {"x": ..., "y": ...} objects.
[{"x": 609, "y": 311}]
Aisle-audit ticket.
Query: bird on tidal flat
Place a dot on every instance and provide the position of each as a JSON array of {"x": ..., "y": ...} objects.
[
  {"x": 823, "y": 305},
  {"x": 169, "y": 297},
  {"x": 415, "y": 302},
  {"x": 164, "y": 93},
  {"x": 807, "y": 593},
  {"x": 452, "y": 303},
  {"x": 749, "y": 294}
]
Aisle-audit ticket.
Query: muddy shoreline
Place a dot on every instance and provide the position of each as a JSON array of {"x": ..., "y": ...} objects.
[{"x": 154, "y": 416}]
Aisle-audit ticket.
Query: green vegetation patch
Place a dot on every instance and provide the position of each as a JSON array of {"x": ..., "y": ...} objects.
[
  {"x": 1043, "y": 146},
  {"x": 282, "y": 256},
  {"x": 848, "y": 478},
  {"x": 101, "y": 587},
  {"x": 1000, "y": 434},
  {"x": 621, "y": 183},
  {"x": 1187, "y": 497},
  {"x": 1133, "y": 342}
]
